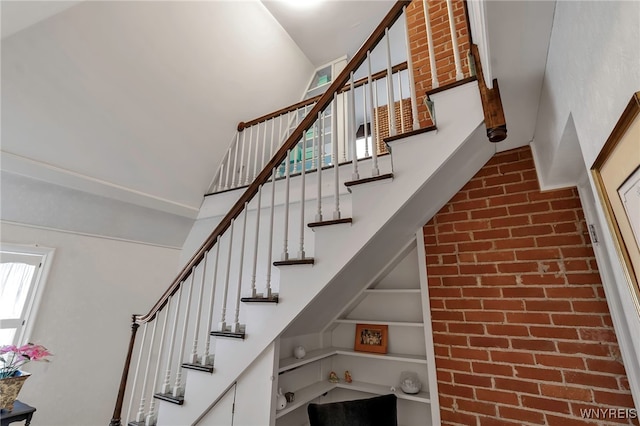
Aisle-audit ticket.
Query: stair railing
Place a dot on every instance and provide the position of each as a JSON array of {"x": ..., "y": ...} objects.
[
  {"x": 256, "y": 140},
  {"x": 327, "y": 129}
]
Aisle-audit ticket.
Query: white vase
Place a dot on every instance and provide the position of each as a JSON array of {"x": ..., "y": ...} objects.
[{"x": 299, "y": 352}]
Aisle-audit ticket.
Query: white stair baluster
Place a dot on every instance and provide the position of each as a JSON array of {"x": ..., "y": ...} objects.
[
  {"x": 140, "y": 416},
  {"x": 454, "y": 42},
  {"x": 295, "y": 157},
  {"x": 246, "y": 179},
  {"x": 412, "y": 81},
  {"x": 302, "y": 181},
  {"x": 237, "y": 328},
  {"x": 194, "y": 351},
  {"x": 258, "y": 147},
  {"x": 235, "y": 172},
  {"x": 222, "y": 325},
  {"x": 242, "y": 157},
  {"x": 373, "y": 105},
  {"x": 220, "y": 185},
  {"x": 432, "y": 53},
  {"x": 352, "y": 129},
  {"x": 377, "y": 122},
  {"x": 320, "y": 137},
  {"x": 152, "y": 416},
  {"x": 364, "y": 124},
  {"x": 314, "y": 149},
  {"x": 255, "y": 245},
  {"x": 345, "y": 132},
  {"x": 391, "y": 100},
  {"x": 166, "y": 386},
  {"x": 334, "y": 148},
  {"x": 285, "y": 251},
  {"x": 135, "y": 376},
  {"x": 267, "y": 292},
  {"x": 207, "y": 357},
  {"x": 401, "y": 106},
  {"x": 178, "y": 388},
  {"x": 265, "y": 150},
  {"x": 273, "y": 131}
]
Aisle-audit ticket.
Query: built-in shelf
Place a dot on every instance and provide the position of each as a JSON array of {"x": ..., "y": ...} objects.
[
  {"x": 311, "y": 392},
  {"x": 383, "y": 390},
  {"x": 375, "y": 322},
  {"x": 306, "y": 394},
  {"x": 288, "y": 364}
]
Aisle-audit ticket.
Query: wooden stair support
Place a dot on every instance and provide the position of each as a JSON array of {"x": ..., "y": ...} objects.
[{"x": 494, "y": 119}]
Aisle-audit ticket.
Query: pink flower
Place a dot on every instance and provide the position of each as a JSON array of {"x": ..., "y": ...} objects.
[
  {"x": 12, "y": 357},
  {"x": 8, "y": 348}
]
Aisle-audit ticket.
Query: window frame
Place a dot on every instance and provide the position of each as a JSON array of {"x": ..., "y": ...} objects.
[{"x": 36, "y": 290}]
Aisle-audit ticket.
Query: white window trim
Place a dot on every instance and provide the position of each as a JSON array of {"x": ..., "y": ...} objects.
[{"x": 35, "y": 297}]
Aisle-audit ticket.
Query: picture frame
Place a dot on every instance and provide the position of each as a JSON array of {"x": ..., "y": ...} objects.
[
  {"x": 616, "y": 174},
  {"x": 371, "y": 338}
]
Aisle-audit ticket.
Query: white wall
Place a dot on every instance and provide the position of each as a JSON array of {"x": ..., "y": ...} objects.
[
  {"x": 94, "y": 286},
  {"x": 593, "y": 69}
]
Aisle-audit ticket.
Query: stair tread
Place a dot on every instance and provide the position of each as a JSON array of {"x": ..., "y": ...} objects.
[
  {"x": 179, "y": 400},
  {"x": 305, "y": 261},
  {"x": 411, "y": 133},
  {"x": 368, "y": 180},
  {"x": 208, "y": 368},
  {"x": 227, "y": 334},
  {"x": 260, "y": 299},
  {"x": 330, "y": 222}
]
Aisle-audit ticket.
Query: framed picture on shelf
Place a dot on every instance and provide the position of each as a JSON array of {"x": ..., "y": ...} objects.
[
  {"x": 616, "y": 173},
  {"x": 371, "y": 338}
]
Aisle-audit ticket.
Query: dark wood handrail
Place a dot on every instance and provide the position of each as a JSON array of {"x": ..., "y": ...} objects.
[
  {"x": 374, "y": 77},
  {"x": 278, "y": 158}
]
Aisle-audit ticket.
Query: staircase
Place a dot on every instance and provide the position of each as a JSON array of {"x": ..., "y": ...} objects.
[{"x": 295, "y": 237}]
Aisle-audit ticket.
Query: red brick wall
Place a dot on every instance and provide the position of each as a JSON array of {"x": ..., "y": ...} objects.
[
  {"x": 382, "y": 114},
  {"x": 442, "y": 45},
  {"x": 522, "y": 329}
]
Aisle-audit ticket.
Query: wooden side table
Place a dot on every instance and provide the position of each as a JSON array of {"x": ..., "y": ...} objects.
[{"x": 21, "y": 411}]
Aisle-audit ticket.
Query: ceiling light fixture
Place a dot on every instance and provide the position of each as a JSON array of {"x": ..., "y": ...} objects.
[{"x": 303, "y": 4}]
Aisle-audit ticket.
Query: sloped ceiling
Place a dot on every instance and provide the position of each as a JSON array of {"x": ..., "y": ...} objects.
[
  {"x": 138, "y": 101},
  {"x": 329, "y": 29}
]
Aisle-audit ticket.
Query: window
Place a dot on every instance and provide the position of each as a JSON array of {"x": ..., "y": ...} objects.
[{"x": 22, "y": 275}]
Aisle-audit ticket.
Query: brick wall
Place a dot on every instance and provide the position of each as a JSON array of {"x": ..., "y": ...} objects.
[
  {"x": 442, "y": 45},
  {"x": 522, "y": 330},
  {"x": 382, "y": 114}
]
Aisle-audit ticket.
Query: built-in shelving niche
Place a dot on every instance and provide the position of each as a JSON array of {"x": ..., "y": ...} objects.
[{"x": 399, "y": 299}]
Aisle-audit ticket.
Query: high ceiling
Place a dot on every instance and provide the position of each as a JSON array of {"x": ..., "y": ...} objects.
[{"x": 138, "y": 101}]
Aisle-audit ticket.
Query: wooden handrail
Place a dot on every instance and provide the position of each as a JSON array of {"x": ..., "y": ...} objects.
[
  {"x": 322, "y": 103},
  {"x": 361, "y": 82},
  {"x": 279, "y": 157}
]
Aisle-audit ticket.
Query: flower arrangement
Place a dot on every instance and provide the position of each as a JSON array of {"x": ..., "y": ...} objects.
[{"x": 14, "y": 357}]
